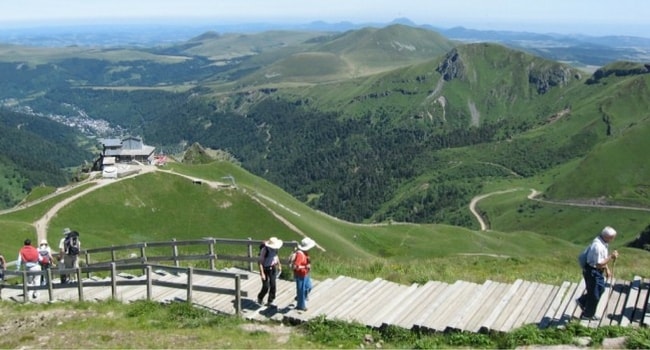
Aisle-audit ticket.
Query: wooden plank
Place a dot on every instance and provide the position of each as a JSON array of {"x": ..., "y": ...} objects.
[
  {"x": 602, "y": 305},
  {"x": 408, "y": 321},
  {"x": 544, "y": 295},
  {"x": 318, "y": 293},
  {"x": 616, "y": 304},
  {"x": 646, "y": 317},
  {"x": 447, "y": 312},
  {"x": 465, "y": 312},
  {"x": 364, "y": 291},
  {"x": 409, "y": 303},
  {"x": 483, "y": 312},
  {"x": 549, "y": 315},
  {"x": 392, "y": 306},
  {"x": 375, "y": 301},
  {"x": 519, "y": 304},
  {"x": 318, "y": 297},
  {"x": 341, "y": 290},
  {"x": 565, "y": 311},
  {"x": 640, "y": 308},
  {"x": 630, "y": 302},
  {"x": 447, "y": 294},
  {"x": 503, "y": 304},
  {"x": 165, "y": 294}
]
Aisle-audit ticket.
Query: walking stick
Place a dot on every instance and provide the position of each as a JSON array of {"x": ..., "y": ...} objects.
[{"x": 611, "y": 280}]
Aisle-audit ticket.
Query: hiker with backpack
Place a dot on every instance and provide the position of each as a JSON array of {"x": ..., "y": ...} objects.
[
  {"x": 270, "y": 268},
  {"x": 594, "y": 261},
  {"x": 46, "y": 261},
  {"x": 29, "y": 257},
  {"x": 69, "y": 248},
  {"x": 301, "y": 265}
]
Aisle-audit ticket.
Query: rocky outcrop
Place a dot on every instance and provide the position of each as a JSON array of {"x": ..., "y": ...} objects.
[
  {"x": 545, "y": 78},
  {"x": 620, "y": 69},
  {"x": 452, "y": 67}
]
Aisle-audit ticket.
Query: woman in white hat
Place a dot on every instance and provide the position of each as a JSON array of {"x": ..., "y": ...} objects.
[
  {"x": 301, "y": 265},
  {"x": 270, "y": 268},
  {"x": 46, "y": 260}
]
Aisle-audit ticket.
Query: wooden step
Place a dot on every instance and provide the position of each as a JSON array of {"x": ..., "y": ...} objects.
[
  {"x": 409, "y": 302},
  {"x": 469, "y": 308}
]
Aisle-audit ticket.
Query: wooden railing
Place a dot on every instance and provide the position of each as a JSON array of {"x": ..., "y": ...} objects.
[
  {"x": 145, "y": 263},
  {"x": 114, "y": 282},
  {"x": 249, "y": 255}
]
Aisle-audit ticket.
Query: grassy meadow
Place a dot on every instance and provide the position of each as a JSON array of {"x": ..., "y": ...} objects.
[{"x": 528, "y": 240}]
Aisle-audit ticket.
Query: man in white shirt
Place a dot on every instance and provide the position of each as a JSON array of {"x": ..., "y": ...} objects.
[{"x": 595, "y": 271}]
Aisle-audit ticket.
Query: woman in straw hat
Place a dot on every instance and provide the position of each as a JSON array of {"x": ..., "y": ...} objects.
[
  {"x": 270, "y": 268},
  {"x": 301, "y": 265}
]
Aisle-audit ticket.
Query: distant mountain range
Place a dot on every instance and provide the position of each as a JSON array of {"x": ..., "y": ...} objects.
[{"x": 578, "y": 50}]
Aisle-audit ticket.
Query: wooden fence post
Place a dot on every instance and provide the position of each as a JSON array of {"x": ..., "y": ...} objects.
[
  {"x": 175, "y": 253},
  {"x": 213, "y": 256},
  {"x": 250, "y": 255},
  {"x": 50, "y": 291},
  {"x": 25, "y": 291},
  {"x": 190, "y": 271},
  {"x": 149, "y": 283},
  {"x": 238, "y": 296},
  {"x": 113, "y": 281},
  {"x": 80, "y": 285},
  {"x": 143, "y": 257},
  {"x": 87, "y": 259}
]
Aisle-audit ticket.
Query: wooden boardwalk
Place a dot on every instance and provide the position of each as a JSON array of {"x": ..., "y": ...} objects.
[{"x": 433, "y": 306}]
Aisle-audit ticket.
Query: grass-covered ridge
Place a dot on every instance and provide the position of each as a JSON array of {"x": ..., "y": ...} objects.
[{"x": 162, "y": 206}]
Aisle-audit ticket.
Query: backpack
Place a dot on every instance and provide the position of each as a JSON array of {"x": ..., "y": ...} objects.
[
  {"x": 45, "y": 257},
  {"x": 582, "y": 258},
  {"x": 71, "y": 243},
  {"x": 266, "y": 251}
]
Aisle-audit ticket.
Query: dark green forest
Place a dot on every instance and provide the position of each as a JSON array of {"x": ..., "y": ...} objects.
[
  {"x": 36, "y": 151},
  {"x": 348, "y": 167}
]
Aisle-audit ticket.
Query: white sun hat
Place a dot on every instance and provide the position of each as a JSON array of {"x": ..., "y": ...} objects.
[
  {"x": 306, "y": 244},
  {"x": 274, "y": 243}
]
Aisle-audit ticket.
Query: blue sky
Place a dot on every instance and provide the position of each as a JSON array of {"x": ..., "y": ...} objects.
[{"x": 594, "y": 17}]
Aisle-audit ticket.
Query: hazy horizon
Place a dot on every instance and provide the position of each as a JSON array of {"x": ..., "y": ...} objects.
[{"x": 594, "y": 17}]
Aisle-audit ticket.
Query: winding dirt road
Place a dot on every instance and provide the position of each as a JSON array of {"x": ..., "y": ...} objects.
[
  {"x": 533, "y": 196},
  {"x": 42, "y": 224}
]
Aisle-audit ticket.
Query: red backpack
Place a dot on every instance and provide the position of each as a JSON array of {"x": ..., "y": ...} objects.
[{"x": 45, "y": 257}]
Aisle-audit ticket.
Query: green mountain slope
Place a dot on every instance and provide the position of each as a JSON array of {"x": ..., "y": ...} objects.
[
  {"x": 348, "y": 55},
  {"x": 35, "y": 151}
]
